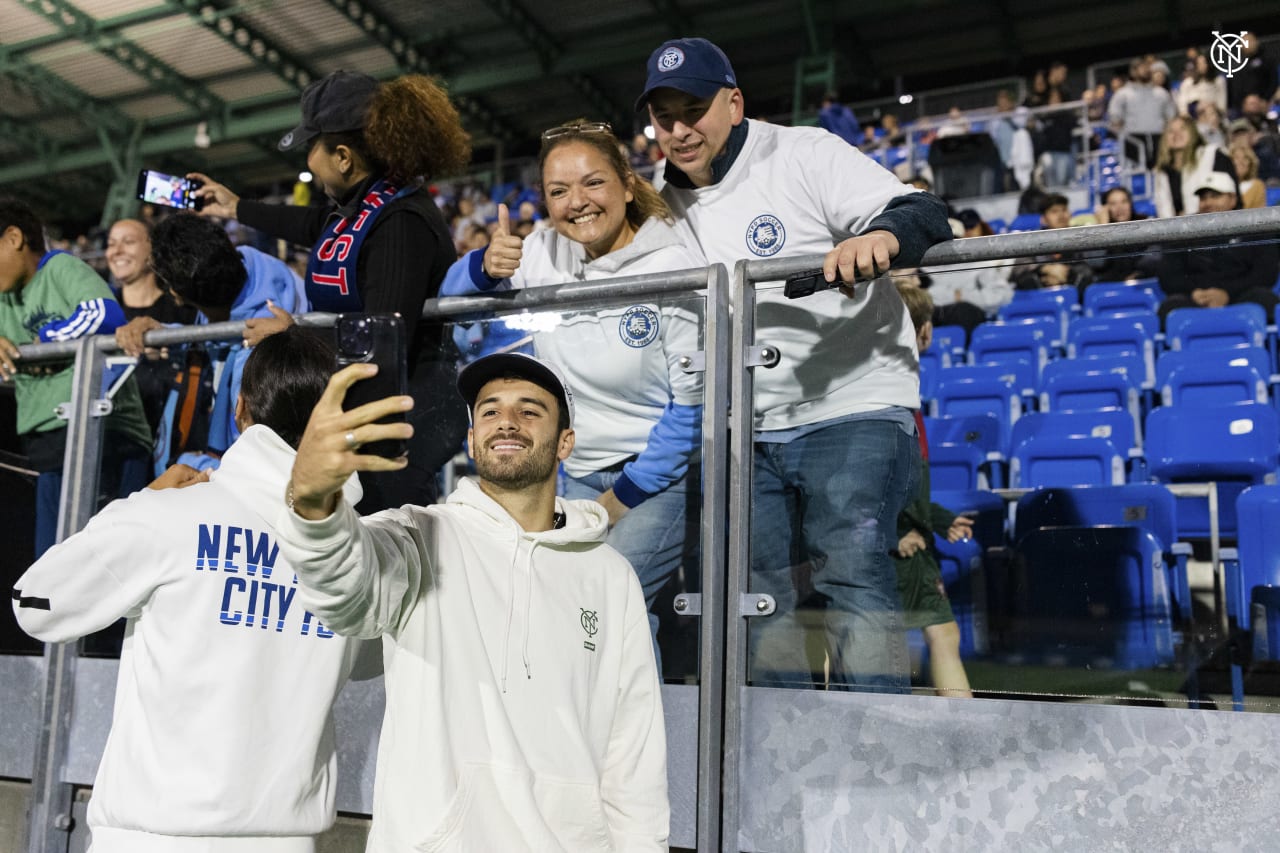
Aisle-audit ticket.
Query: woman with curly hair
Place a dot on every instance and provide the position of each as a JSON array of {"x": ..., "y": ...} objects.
[
  {"x": 637, "y": 413},
  {"x": 383, "y": 245}
]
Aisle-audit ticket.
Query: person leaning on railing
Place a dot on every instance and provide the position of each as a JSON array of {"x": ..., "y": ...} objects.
[
  {"x": 50, "y": 296},
  {"x": 639, "y": 413},
  {"x": 835, "y": 453}
]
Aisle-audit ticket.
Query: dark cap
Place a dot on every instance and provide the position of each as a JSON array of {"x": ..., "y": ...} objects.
[
  {"x": 541, "y": 373},
  {"x": 334, "y": 104},
  {"x": 694, "y": 66}
]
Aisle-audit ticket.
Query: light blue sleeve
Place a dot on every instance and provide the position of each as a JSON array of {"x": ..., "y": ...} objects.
[
  {"x": 673, "y": 441},
  {"x": 467, "y": 276}
]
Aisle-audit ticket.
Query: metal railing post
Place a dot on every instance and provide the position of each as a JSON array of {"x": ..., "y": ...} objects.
[
  {"x": 716, "y": 341},
  {"x": 49, "y": 815},
  {"x": 741, "y": 456}
]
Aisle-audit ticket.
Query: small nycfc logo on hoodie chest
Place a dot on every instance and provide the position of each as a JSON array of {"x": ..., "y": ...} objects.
[{"x": 590, "y": 622}]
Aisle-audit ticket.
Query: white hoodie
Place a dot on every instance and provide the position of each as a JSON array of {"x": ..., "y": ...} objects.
[
  {"x": 222, "y": 738},
  {"x": 523, "y": 708}
]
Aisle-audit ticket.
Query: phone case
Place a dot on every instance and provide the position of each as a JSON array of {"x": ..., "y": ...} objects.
[
  {"x": 380, "y": 339},
  {"x": 150, "y": 182}
]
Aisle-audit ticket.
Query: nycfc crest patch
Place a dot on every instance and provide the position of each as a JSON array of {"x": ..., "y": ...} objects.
[
  {"x": 590, "y": 622},
  {"x": 671, "y": 59},
  {"x": 639, "y": 326},
  {"x": 765, "y": 235}
]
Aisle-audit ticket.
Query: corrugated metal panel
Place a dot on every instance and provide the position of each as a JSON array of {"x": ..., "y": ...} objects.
[
  {"x": 153, "y": 108},
  {"x": 111, "y": 8},
  {"x": 251, "y": 86},
  {"x": 22, "y": 24},
  {"x": 191, "y": 49},
  {"x": 91, "y": 72},
  {"x": 303, "y": 27},
  {"x": 371, "y": 60}
]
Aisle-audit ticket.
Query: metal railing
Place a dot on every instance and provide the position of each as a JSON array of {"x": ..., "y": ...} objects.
[{"x": 730, "y": 354}]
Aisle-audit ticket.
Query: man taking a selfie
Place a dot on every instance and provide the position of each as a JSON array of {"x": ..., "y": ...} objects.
[{"x": 523, "y": 707}]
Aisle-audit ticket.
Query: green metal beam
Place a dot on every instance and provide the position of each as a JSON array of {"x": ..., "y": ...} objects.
[
  {"x": 104, "y": 25},
  {"x": 21, "y": 133},
  {"x": 220, "y": 18},
  {"x": 52, "y": 91},
  {"x": 547, "y": 50},
  {"x": 76, "y": 24},
  {"x": 410, "y": 59},
  {"x": 158, "y": 143}
]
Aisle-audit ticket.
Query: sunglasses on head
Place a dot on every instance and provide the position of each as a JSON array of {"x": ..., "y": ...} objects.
[{"x": 578, "y": 127}]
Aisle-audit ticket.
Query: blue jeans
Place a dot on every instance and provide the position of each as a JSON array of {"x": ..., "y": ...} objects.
[
  {"x": 829, "y": 501},
  {"x": 656, "y": 536},
  {"x": 125, "y": 469}
]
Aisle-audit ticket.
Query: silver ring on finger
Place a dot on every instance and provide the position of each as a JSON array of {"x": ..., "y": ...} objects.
[{"x": 352, "y": 442}]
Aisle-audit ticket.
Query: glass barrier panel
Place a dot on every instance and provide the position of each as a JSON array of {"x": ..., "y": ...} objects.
[
  {"x": 1102, "y": 447},
  {"x": 623, "y": 364}
]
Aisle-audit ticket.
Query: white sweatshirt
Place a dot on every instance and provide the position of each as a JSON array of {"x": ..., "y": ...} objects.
[
  {"x": 797, "y": 191},
  {"x": 222, "y": 738},
  {"x": 523, "y": 708},
  {"x": 623, "y": 362}
]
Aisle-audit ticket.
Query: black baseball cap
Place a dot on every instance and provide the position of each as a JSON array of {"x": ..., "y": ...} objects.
[
  {"x": 691, "y": 65},
  {"x": 333, "y": 104},
  {"x": 544, "y": 374}
]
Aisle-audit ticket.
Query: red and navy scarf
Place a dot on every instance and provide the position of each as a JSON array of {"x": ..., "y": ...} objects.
[{"x": 331, "y": 272}]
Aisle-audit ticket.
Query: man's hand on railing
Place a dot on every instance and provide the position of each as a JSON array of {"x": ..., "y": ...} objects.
[
  {"x": 866, "y": 256},
  {"x": 257, "y": 328}
]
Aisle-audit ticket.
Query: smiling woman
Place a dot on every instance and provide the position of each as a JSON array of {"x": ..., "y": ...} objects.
[{"x": 637, "y": 412}]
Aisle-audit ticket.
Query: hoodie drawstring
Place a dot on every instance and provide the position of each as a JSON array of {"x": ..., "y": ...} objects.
[
  {"x": 511, "y": 607},
  {"x": 528, "y": 613}
]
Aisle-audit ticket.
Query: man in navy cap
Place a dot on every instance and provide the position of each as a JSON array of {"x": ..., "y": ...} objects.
[
  {"x": 835, "y": 455},
  {"x": 523, "y": 708}
]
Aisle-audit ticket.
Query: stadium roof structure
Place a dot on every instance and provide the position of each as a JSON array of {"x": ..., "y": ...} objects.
[{"x": 91, "y": 90}]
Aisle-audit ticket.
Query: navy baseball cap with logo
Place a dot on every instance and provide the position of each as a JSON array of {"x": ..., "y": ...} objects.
[
  {"x": 692, "y": 65},
  {"x": 333, "y": 104},
  {"x": 544, "y": 374}
]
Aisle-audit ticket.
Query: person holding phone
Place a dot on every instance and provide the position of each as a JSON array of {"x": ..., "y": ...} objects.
[
  {"x": 382, "y": 247},
  {"x": 639, "y": 413},
  {"x": 523, "y": 710}
]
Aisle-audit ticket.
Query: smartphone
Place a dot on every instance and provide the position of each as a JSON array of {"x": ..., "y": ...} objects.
[
  {"x": 169, "y": 190},
  {"x": 378, "y": 339}
]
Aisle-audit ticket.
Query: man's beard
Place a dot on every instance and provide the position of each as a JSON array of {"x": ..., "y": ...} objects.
[{"x": 536, "y": 465}]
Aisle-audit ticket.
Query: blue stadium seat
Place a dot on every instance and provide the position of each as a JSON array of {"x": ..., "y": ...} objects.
[
  {"x": 998, "y": 226},
  {"x": 1273, "y": 196},
  {"x": 1258, "y": 512},
  {"x": 1045, "y": 460},
  {"x": 1099, "y": 337},
  {"x": 1115, "y": 425},
  {"x": 951, "y": 339},
  {"x": 1200, "y": 328},
  {"x": 1108, "y": 297},
  {"x": 977, "y": 390},
  {"x": 1002, "y": 343},
  {"x": 1145, "y": 505},
  {"x": 1244, "y": 355},
  {"x": 980, "y": 431},
  {"x": 1085, "y": 384},
  {"x": 1234, "y": 446},
  {"x": 1213, "y": 385},
  {"x": 1094, "y": 596},
  {"x": 1058, "y": 303},
  {"x": 932, "y": 360},
  {"x": 960, "y": 564},
  {"x": 957, "y": 467}
]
